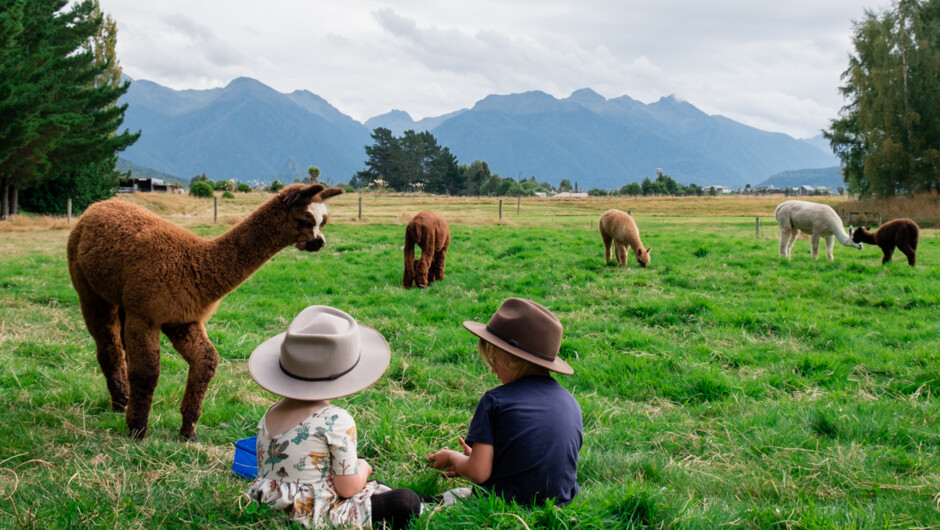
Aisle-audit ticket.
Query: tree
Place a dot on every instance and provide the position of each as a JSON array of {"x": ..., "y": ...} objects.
[
  {"x": 564, "y": 185},
  {"x": 61, "y": 84},
  {"x": 201, "y": 188},
  {"x": 631, "y": 189},
  {"x": 313, "y": 173},
  {"x": 646, "y": 186},
  {"x": 888, "y": 134}
]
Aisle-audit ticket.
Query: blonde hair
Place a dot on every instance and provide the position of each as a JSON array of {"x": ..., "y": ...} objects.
[{"x": 492, "y": 355}]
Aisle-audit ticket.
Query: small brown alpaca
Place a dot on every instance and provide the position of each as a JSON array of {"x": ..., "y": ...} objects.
[
  {"x": 429, "y": 231},
  {"x": 899, "y": 233},
  {"x": 137, "y": 274},
  {"x": 619, "y": 228}
]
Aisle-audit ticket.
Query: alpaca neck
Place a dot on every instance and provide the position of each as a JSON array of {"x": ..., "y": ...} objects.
[
  {"x": 842, "y": 236},
  {"x": 865, "y": 236},
  {"x": 234, "y": 256}
]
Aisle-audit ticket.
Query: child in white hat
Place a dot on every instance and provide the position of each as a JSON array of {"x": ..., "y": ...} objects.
[
  {"x": 307, "y": 460},
  {"x": 526, "y": 434}
]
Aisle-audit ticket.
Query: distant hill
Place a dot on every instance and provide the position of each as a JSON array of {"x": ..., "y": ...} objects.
[
  {"x": 145, "y": 172},
  {"x": 830, "y": 177},
  {"x": 250, "y": 132}
]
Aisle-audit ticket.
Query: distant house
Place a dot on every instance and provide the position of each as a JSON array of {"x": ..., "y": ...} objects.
[
  {"x": 133, "y": 185},
  {"x": 719, "y": 189},
  {"x": 804, "y": 190},
  {"x": 570, "y": 194},
  {"x": 540, "y": 194}
]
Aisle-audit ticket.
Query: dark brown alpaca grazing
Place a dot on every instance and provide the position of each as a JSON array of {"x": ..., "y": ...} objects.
[
  {"x": 429, "y": 231},
  {"x": 157, "y": 276},
  {"x": 900, "y": 233}
]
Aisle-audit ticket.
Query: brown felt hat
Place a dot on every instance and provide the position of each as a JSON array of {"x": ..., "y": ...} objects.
[
  {"x": 526, "y": 330},
  {"x": 324, "y": 354}
]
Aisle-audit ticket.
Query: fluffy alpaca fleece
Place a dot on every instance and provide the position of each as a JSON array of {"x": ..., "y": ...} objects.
[
  {"x": 899, "y": 233},
  {"x": 429, "y": 231},
  {"x": 619, "y": 228},
  {"x": 137, "y": 275},
  {"x": 818, "y": 220}
]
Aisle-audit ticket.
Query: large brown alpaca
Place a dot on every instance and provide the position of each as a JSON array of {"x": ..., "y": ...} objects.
[
  {"x": 619, "y": 228},
  {"x": 137, "y": 274},
  {"x": 900, "y": 233},
  {"x": 430, "y": 232}
]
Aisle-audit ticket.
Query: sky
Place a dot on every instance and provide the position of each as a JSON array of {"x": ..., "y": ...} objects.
[{"x": 771, "y": 65}]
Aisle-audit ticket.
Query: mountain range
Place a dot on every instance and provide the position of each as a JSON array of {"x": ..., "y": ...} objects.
[{"x": 252, "y": 133}]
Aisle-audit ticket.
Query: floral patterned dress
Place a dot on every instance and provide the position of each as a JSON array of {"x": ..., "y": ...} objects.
[{"x": 295, "y": 471}]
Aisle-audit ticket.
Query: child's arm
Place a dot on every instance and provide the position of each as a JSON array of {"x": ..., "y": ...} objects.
[
  {"x": 474, "y": 464},
  {"x": 348, "y": 485}
]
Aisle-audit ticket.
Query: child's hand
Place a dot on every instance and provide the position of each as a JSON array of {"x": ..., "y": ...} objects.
[
  {"x": 466, "y": 448},
  {"x": 441, "y": 459}
]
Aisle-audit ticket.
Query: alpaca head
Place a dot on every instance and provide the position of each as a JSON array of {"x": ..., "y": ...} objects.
[
  {"x": 860, "y": 235},
  {"x": 308, "y": 213},
  {"x": 643, "y": 256}
]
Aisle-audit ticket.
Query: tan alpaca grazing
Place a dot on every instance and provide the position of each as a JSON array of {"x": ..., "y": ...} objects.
[
  {"x": 429, "y": 231},
  {"x": 619, "y": 228},
  {"x": 137, "y": 275}
]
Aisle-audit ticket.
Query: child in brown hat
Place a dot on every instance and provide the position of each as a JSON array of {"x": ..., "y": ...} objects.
[
  {"x": 307, "y": 460},
  {"x": 525, "y": 435}
]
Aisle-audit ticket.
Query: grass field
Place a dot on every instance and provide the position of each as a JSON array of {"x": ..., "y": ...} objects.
[{"x": 721, "y": 386}]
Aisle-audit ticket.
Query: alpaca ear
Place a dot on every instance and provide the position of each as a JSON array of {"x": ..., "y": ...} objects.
[
  {"x": 303, "y": 196},
  {"x": 649, "y": 248},
  {"x": 327, "y": 193}
]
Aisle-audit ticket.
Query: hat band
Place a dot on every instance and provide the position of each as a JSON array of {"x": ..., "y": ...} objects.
[
  {"x": 327, "y": 378},
  {"x": 515, "y": 343}
]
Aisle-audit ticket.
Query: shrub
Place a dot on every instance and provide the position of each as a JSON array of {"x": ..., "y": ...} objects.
[
  {"x": 201, "y": 189},
  {"x": 228, "y": 195},
  {"x": 244, "y": 188},
  {"x": 277, "y": 186}
]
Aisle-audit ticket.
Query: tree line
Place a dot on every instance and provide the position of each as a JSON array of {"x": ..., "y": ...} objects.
[
  {"x": 59, "y": 87},
  {"x": 888, "y": 134}
]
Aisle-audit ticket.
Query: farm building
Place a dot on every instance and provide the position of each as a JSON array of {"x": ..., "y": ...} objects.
[{"x": 133, "y": 185}]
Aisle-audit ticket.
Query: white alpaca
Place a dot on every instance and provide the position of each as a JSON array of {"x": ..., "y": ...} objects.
[{"x": 818, "y": 220}]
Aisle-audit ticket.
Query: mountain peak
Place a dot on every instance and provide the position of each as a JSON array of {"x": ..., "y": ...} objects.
[{"x": 520, "y": 103}]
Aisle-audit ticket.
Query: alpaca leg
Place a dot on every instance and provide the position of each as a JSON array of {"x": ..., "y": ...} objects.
[
  {"x": 791, "y": 240},
  {"x": 143, "y": 371},
  {"x": 191, "y": 341},
  {"x": 437, "y": 266},
  {"x": 101, "y": 318},
  {"x": 607, "y": 241},
  {"x": 830, "y": 241},
  {"x": 814, "y": 244},
  {"x": 422, "y": 266},
  {"x": 888, "y": 253},
  {"x": 911, "y": 255},
  {"x": 784, "y": 244},
  {"x": 621, "y": 251},
  {"x": 408, "y": 278}
]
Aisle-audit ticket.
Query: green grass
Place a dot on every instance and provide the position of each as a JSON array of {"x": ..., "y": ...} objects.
[{"x": 721, "y": 386}]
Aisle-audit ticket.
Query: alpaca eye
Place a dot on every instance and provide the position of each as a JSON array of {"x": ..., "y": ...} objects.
[{"x": 304, "y": 223}]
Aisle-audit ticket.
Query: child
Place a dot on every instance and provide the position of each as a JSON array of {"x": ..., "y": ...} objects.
[
  {"x": 307, "y": 460},
  {"x": 525, "y": 435}
]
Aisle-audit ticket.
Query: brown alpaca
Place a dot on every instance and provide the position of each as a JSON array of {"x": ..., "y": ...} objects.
[
  {"x": 619, "y": 228},
  {"x": 137, "y": 274},
  {"x": 429, "y": 231},
  {"x": 900, "y": 233}
]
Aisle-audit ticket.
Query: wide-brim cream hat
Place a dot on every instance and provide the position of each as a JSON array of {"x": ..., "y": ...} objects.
[
  {"x": 527, "y": 330},
  {"x": 324, "y": 354}
]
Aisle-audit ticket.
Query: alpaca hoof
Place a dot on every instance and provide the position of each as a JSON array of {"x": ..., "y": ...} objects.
[
  {"x": 138, "y": 434},
  {"x": 119, "y": 405},
  {"x": 189, "y": 438}
]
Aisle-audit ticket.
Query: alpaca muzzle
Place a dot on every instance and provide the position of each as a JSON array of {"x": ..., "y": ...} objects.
[{"x": 314, "y": 245}]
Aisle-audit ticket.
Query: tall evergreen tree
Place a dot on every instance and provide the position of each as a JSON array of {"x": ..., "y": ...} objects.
[
  {"x": 887, "y": 135},
  {"x": 64, "y": 87}
]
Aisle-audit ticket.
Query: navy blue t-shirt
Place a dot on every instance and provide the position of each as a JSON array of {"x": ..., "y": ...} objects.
[{"x": 534, "y": 426}]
